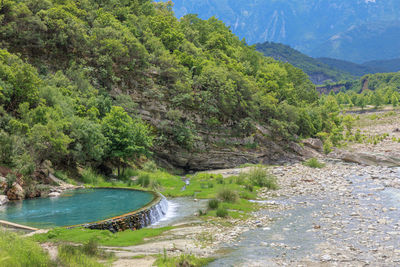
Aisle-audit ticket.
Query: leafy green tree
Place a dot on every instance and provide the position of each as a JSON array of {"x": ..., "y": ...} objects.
[
  {"x": 89, "y": 142},
  {"x": 395, "y": 99},
  {"x": 19, "y": 81},
  {"x": 127, "y": 138}
]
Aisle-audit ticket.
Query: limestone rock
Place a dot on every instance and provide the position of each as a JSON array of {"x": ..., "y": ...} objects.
[
  {"x": 370, "y": 159},
  {"x": 314, "y": 143},
  {"x": 54, "y": 194},
  {"x": 16, "y": 192},
  {"x": 3, "y": 200}
]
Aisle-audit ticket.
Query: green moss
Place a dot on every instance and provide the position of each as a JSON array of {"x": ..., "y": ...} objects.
[{"x": 105, "y": 238}]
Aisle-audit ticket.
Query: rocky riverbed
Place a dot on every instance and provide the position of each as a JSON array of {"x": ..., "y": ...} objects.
[{"x": 345, "y": 214}]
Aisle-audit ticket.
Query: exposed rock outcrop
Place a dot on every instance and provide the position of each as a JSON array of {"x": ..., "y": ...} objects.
[
  {"x": 369, "y": 158},
  {"x": 314, "y": 143},
  {"x": 3, "y": 200},
  {"x": 16, "y": 192}
]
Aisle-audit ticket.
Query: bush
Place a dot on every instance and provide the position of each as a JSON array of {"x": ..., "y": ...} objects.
[
  {"x": 150, "y": 166},
  {"x": 143, "y": 180},
  {"x": 222, "y": 212},
  {"x": 91, "y": 248},
  {"x": 313, "y": 163},
  {"x": 89, "y": 176},
  {"x": 228, "y": 195},
  {"x": 261, "y": 177},
  {"x": 213, "y": 204},
  {"x": 127, "y": 174}
]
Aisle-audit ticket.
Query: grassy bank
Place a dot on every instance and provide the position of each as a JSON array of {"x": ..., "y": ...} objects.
[
  {"x": 16, "y": 251},
  {"x": 104, "y": 238}
]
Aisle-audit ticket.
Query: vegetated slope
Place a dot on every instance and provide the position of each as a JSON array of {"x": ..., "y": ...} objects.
[
  {"x": 320, "y": 28},
  {"x": 372, "y": 89},
  {"x": 318, "y": 71},
  {"x": 73, "y": 74},
  {"x": 390, "y": 65},
  {"x": 350, "y": 67}
]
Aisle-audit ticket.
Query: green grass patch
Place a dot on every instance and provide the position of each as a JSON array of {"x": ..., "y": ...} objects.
[
  {"x": 104, "y": 238},
  {"x": 183, "y": 260},
  {"x": 228, "y": 195},
  {"x": 314, "y": 163},
  {"x": 73, "y": 256},
  {"x": 241, "y": 209},
  {"x": 263, "y": 178},
  {"x": 17, "y": 251}
]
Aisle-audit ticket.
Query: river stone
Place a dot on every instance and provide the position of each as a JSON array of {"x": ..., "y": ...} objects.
[
  {"x": 3, "y": 200},
  {"x": 16, "y": 192},
  {"x": 54, "y": 194}
]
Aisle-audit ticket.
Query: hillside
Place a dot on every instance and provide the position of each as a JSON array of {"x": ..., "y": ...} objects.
[
  {"x": 318, "y": 71},
  {"x": 348, "y": 30},
  {"x": 350, "y": 67},
  {"x": 104, "y": 85},
  {"x": 390, "y": 65}
]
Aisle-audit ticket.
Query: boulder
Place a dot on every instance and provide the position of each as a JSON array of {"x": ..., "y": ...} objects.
[
  {"x": 3, "y": 200},
  {"x": 16, "y": 192},
  {"x": 314, "y": 143},
  {"x": 370, "y": 159},
  {"x": 54, "y": 194}
]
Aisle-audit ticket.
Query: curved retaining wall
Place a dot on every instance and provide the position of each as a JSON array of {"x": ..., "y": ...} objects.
[{"x": 137, "y": 219}]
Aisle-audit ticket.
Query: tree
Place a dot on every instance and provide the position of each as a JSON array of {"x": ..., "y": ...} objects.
[
  {"x": 127, "y": 137},
  {"x": 394, "y": 99}
]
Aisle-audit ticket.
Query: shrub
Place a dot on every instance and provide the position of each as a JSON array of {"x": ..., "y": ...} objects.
[
  {"x": 89, "y": 176},
  {"x": 249, "y": 187},
  {"x": 241, "y": 179},
  {"x": 261, "y": 177},
  {"x": 143, "y": 180},
  {"x": 91, "y": 248},
  {"x": 222, "y": 212},
  {"x": 228, "y": 195},
  {"x": 150, "y": 166},
  {"x": 313, "y": 163},
  {"x": 213, "y": 204},
  {"x": 127, "y": 174}
]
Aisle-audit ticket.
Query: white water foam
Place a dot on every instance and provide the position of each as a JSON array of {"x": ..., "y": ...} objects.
[{"x": 170, "y": 212}]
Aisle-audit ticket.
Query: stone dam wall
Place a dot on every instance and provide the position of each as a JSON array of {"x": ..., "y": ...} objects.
[{"x": 135, "y": 220}]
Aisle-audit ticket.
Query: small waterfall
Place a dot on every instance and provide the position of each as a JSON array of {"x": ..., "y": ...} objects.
[{"x": 155, "y": 213}]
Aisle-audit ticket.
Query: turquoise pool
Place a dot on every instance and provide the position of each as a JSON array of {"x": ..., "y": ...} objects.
[{"x": 75, "y": 207}]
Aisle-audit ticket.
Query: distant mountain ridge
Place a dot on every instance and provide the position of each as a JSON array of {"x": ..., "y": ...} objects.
[
  {"x": 318, "y": 71},
  {"x": 355, "y": 30},
  {"x": 321, "y": 70}
]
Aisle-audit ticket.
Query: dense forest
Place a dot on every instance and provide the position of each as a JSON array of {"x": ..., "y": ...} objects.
[
  {"x": 317, "y": 70},
  {"x": 94, "y": 82},
  {"x": 371, "y": 90}
]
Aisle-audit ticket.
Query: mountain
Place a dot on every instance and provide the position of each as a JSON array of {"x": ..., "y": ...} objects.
[
  {"x": 102, "y": 84},
  {"x": 355, "y": 30},
  {"x": 317, "y": 70},
  {"x": 367, "y": 42},
  {"x": 390, "y": 65},
  {"x": 350, "y": 67}
]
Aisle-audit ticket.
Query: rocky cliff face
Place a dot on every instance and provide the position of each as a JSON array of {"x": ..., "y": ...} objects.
[{"x": 216, "y": 148}]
